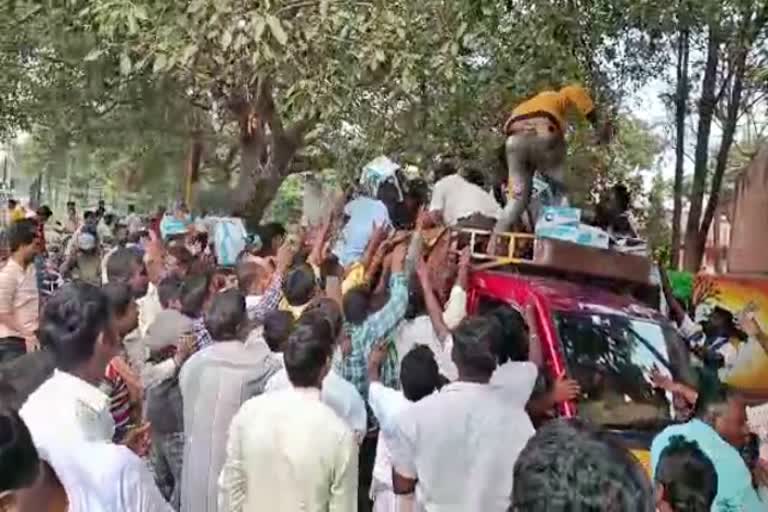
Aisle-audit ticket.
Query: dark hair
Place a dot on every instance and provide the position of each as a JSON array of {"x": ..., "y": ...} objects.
[
  {"x": 327, "y": 310},
  {"x": 356, "y": 304},
  {"x": 267, "y": 233},
  {"x": 300, "y": 285},
  {"x": 568, "y": 465},
  {"x": 688, "y": 476},
  {"x": 278, "y": 326},
  {"x": 88, "y": 214},
  {"x": 419, "y": 373},
  {"x": 418, "y": 190},
  {"x": 22, "y": 376},
  {"x": 182, "y": 255},
  {"x": 120, "y": 264},
  {"x": 417, "y": 306},
  {"x": 44, "y": 211},
  {"x": 305, "y": 355},
  {"x": 131, "y": 208},
  {"x": 474, "y": 176},
  {"x": 388, "y": 194},
  {"x": 227, "y": 315},
  {"x": 247, "y": 273},
  {"x": 22, "y": 232},
  {"x": 12, "y": 202},
  {"x": 194, "y": 292},
  {"x": 472, "y": 342},
  {"x": 443, "y": 169},
  {"x": 512, "y": 343},
  {"x": 623, "y": 197},
  {"x": 169, "y": 289},
  {"x": 19, "y": 461},
  {"x": 119, "y": 296},
  {"x": 72, "y": 321}
]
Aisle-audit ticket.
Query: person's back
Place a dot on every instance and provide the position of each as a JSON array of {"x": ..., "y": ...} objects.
[
  {"x": 464, "y": 439},
  {"x": 295, "y": 444},
  {"x": 458, "y": 199},
  {"x": 214, "y": 384}
]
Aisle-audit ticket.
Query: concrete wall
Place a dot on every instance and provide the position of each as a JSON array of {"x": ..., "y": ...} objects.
[{"x": 748, "y": 248}]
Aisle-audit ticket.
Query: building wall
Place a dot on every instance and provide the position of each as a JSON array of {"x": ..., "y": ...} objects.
[{"x": 748, "y": 247}]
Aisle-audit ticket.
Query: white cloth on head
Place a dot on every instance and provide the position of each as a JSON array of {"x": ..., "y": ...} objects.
[
  {"x": 67, "y": 409},
  {"x": 457, "y": 198},
  {"x": 338, "y": 394},
  {"x": 101, "y": 477},
  {"x": 461, "y": 445},
  {"x": 288, "y": 451}
]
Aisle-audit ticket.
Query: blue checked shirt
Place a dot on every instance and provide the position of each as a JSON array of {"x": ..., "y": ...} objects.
[
  {"x": 269, "y": 301},
  {"x": 354, "y": 366}
]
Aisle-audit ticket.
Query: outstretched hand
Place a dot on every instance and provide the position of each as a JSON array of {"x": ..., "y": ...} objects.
[{"x": 565, "y": 390}]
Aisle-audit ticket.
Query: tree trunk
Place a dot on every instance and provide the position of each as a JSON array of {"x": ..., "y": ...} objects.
[
  {"x": 694, "y": 242},
  {"x": 729, "y": 129},
  {"x": 681, "y": 103}
]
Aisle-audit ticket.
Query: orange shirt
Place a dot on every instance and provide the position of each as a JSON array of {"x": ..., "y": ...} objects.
[{"x": 555, "y": 104}]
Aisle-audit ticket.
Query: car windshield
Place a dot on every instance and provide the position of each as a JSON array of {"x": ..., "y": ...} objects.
[{"x": 612, "y": 358}]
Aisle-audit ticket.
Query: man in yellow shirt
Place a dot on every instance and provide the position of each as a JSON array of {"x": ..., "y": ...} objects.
[{"x": 536, "y": 142}]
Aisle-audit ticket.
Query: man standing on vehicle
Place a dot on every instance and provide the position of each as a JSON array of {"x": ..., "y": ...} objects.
[{"x": 535, "y": 133}]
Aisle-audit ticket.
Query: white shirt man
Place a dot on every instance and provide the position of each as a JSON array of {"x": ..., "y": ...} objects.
[
  {"x": 289, "y": 451},
  {"x": 66, "y": 408},
  {"x": 458, "y": 199},
  {"x": 462, "y": 442},
  {"x": 336, "y": 393},
  {"x": 100, "y": 477},
  {"x": 420, "y": 331}
]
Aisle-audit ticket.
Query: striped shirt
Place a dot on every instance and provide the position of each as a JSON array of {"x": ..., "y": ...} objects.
[{"x": 119, "y": 401}]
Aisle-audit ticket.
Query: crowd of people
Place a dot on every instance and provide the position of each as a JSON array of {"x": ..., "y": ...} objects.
[{"x": 329, "y": 369}]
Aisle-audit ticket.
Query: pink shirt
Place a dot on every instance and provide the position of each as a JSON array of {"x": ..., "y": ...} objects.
[{"x": 19, "y": 297}]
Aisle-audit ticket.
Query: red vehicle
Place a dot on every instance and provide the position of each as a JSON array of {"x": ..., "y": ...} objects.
[{"x": 609, "y": 342}]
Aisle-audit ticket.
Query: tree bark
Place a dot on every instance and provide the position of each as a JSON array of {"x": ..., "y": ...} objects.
[
  {"x": 692, "y": 257},
  {"x": 266, "y": 151},
  {"x": 681, "y": 103},
  {"x": 729, "y": 128}
]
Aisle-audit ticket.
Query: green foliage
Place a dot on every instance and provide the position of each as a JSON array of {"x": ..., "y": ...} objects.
[
  {"x": 657, "y": 230},
  {"x": 132, "y": 82}
]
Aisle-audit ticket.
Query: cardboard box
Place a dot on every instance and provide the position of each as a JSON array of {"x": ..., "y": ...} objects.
[
  {"x": 552, "y": 216},
  {"x": 581, "y": 234}
]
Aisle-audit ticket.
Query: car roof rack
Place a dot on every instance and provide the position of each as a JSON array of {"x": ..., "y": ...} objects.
[{"x": 526, "y": 253}]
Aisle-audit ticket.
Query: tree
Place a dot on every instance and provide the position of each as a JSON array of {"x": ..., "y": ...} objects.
[{"x": 731, "y": 33}]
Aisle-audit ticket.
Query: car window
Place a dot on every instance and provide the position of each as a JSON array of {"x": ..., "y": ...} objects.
[{"x": 612, "y": 357}]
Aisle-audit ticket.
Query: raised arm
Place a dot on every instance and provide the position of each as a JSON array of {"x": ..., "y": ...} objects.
[
  {"x": 384, "y": 320},
  {"x": 433, "y": 306},
  {"x": 678, "y": 312}
]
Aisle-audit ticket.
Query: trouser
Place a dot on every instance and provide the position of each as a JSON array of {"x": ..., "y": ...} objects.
[
  {"x": 11, "y": 348},
  {"x": 166, "y": 457},
  {"x": 366, "y": 460},
  {"x": 528, "y": 151}
]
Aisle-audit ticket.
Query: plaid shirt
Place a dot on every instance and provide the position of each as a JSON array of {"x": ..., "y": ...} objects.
[
  {"x": 269, "y": 301},
  {"x": 354, "y": 366},
  {"x": 200, "y": 331}
]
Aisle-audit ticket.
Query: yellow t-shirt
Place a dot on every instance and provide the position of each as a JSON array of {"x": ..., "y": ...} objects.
[
  {"x": 18, "y": 213},
  {"x": 355, "y": 277},
  {"x": 556, "y": 104}
]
